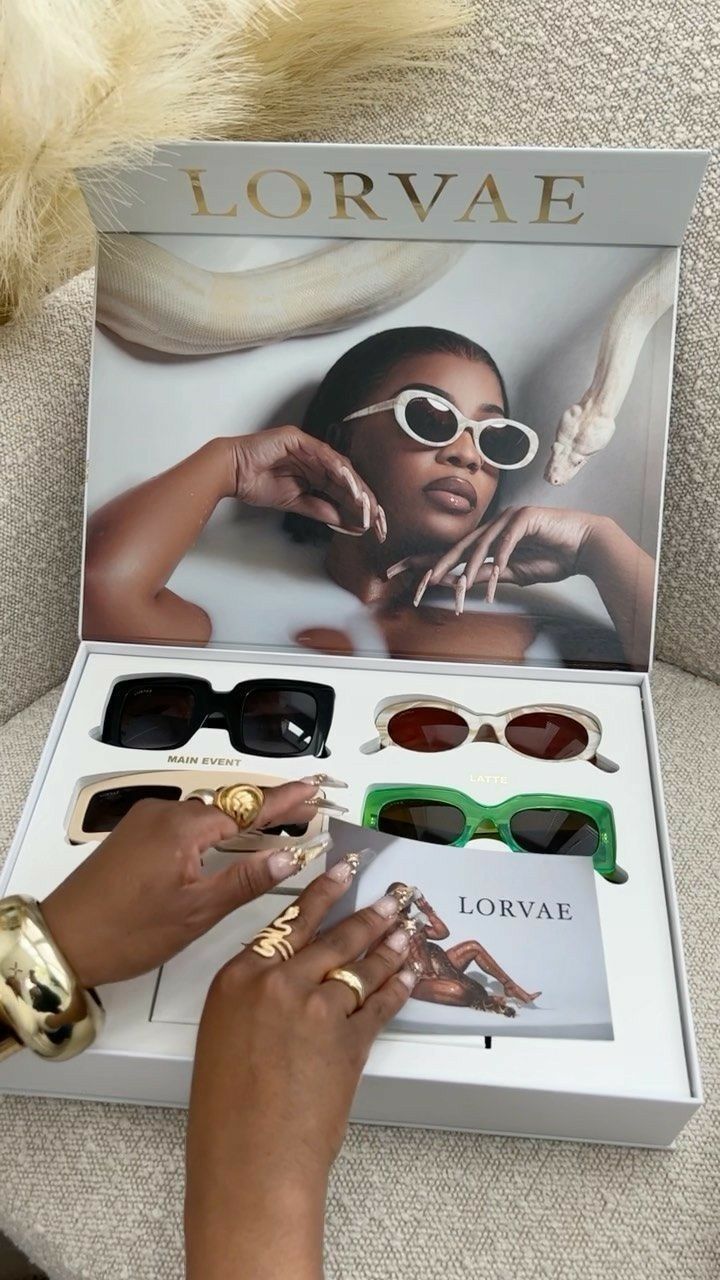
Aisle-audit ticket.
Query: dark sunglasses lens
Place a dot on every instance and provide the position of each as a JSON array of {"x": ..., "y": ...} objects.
[
  {"x": 430, "y": 421},
  {"x": 555, "y": 831},
  {"x": 279, "y": 722},
  {"x": 294, "y": 829},
  {"x": 427, "y": 729},
  {"x": 106, "y": 808},
  {"x": 157, "y": 719},
  {"x": 546, "y": 735},
  {"x": 422, "y": 820},
  {"x": 504, "y": 445}
]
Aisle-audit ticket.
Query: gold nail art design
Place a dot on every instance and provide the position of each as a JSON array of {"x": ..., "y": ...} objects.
[
  {"x": 404, "y": 894},
  {"x": 303, "y": 855},
  {"x": 322, "y": 805},
  {"x": 324, "y": 780}
]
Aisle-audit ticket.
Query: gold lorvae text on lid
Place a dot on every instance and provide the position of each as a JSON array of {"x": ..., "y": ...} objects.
[{"x": 349, "y": 192}]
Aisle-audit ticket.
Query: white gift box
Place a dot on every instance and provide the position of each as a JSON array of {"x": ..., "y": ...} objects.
[{"x": 594, "y": 217}]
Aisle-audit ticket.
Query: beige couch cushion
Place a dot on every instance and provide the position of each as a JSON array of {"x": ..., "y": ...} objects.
[{"x": 96, "y": 1191}]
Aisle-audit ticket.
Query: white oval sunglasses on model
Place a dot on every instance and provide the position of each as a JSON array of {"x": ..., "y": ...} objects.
[{"x": 435, "y": 422}]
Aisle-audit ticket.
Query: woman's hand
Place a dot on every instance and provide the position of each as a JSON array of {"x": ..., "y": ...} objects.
[
  {"x": 142, "y": 896},
  {"x": 290, "y": 470},
  {"x": 279, "y": 1055},
  {"x": 523, "y": 545}
]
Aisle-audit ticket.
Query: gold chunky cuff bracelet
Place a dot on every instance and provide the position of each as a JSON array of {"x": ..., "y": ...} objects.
[{"x": 42, "y": 1005}]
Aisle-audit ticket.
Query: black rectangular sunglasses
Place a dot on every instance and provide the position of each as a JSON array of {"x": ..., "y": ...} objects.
[{"x": 262, "y": 717}]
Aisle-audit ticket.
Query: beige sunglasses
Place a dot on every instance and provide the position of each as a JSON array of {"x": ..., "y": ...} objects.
[
  {"x": 540, "y": 731},
  {"x": 100, "y": 803}
]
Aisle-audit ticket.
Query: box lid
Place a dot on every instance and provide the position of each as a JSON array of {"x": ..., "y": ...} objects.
[{"x": 390, "y": 402}]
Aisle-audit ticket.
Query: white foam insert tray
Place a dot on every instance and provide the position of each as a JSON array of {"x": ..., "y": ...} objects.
[{"x": 157, "y": 1015}]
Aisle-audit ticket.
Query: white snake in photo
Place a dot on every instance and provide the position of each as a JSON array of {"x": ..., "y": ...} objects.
[
  {"x": 149, "y": 296},
  {"x": 588, "y": 426}
]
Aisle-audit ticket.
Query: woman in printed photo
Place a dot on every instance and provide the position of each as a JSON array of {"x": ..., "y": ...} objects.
[{"x": 397, "y": 471}]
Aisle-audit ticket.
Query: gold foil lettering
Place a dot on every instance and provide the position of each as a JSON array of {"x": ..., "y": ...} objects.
[
  {"x": 489, "y": 186},
  {"x": 547, "y": 198},
  {"x": 304, "y": 194},
  {"x": 406, "y": 182},
  {"x": 202, "y": 210},
  {"x": 342, "y": 196}
]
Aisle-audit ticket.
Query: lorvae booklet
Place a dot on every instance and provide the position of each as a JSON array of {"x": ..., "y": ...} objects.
[{"x": 512, "y": 946}]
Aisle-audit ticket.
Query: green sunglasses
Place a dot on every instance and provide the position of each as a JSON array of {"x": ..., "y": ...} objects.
[{"x": 527, "y": 824}]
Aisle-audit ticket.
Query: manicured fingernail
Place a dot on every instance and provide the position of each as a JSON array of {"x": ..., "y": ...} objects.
[
  {"x": 404, "y": 894},
  {"x": 386, "y": 907},
  {"x": 399, "y": 567},
  {"x": 366, "y": 511},
  {"x": 492, "y": 584},
  {"x": 351, "y": 482},
  {"x": 398, "y": 941},
  {"x": 291, "y": 858},
  {"x": 324, "y": 780},
  {"x": 321, "y": 805},
  {"x": 422, "y": 588},
  {"x": 381, "y": 525},
  {"x": 408, "y": 978},
  {"x": 347, "y": 868},
  {"x": 460, "y": 594},
  {"x": 349, "y": 533}
]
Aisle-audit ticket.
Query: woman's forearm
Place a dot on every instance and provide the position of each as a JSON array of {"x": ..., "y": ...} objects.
[
  {"x": 136, "y": 541},
  {"x": 254, "y": 1223},
  {"x": 624, "y": 575}
]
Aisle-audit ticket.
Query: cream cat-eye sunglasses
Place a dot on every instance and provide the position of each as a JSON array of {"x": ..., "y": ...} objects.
[
  {"x": 541, "y": 732},
  {"x": 435, "y": 422}
]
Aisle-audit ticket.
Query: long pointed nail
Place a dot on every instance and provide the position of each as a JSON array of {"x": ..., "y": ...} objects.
[
  {"x": 347, "y": 868},
  {"x": 351, "y": 482},
  {"x": 460, "y": 591},
  {"x": 324, "y": 780},
  {"x": 492, "y": 583},
  {"x": 325, "y": 806},
  {"x": 366, "y": 512},
  {"x": 381, "y": 525},
  {"x": 399, "y": 567},
  {"x": 422, "y": 588},
  {"x": 290, "y": 858},
  {"x": 349, "y": 533}
]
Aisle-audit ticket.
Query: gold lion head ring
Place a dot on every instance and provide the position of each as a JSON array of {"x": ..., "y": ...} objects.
[
  {"x": 351, "y": 980},
  {"x": 241, "y": 801}
]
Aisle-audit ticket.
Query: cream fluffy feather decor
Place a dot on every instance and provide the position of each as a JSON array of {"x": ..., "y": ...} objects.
[{"x": 95, "y": 82}]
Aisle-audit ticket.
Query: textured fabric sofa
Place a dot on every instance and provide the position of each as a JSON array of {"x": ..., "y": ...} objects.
[{"x": 96, "y": 1191}]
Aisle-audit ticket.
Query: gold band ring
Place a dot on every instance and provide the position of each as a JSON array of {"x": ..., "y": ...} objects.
[
  {"x": 241, "y": 801},
  {"x": 351, "y": 980}
]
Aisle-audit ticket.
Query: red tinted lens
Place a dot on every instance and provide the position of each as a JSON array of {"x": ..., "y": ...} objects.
[
  {"x": 427, "y": 729},
  {"x": 547, "y": 735}
]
